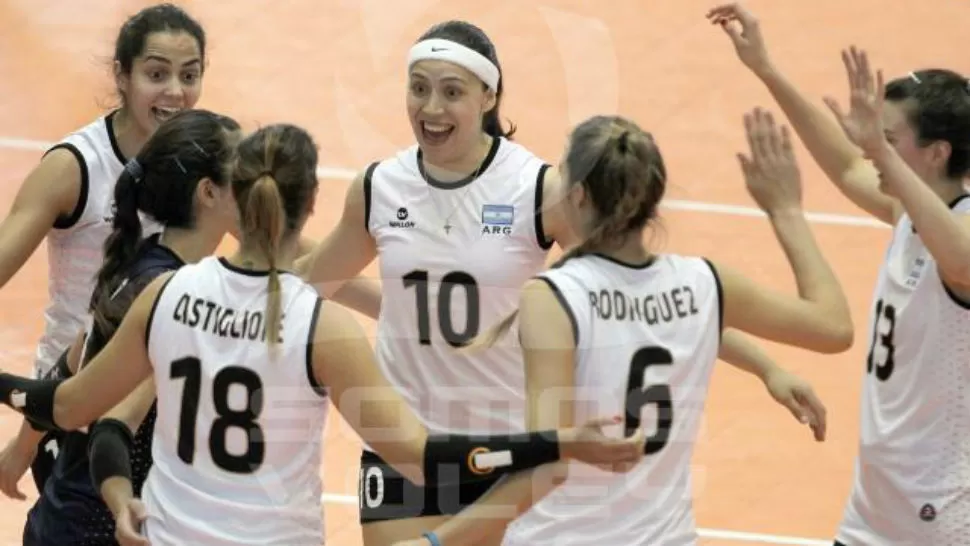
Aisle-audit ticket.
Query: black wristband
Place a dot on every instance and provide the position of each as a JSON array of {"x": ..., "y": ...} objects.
[
  {"x": 109, "y": 451},
  {"x": 450, "y": 458},
  {"x": 34, "y": 398}
]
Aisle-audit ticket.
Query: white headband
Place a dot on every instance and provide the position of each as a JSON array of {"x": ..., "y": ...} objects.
[{"x": 445, "y": 50}]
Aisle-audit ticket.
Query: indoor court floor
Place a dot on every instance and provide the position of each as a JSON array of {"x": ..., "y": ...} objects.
[{"x": 337, "y": 67}]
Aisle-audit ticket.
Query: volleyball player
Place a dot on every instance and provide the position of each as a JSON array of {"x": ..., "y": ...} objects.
[
  {"x": 158, "y": 66},
  {"x": 902, "y": 154},
  {"x": 246, "y": 359},
  {"x": 612, "y": 300},
  {"x": 460, "y": 221},
  {"x": 180, "y": 180}
]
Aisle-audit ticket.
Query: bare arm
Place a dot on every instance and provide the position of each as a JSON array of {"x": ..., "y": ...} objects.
[
  {"x": 360, "y": 293},
  {"x": 838, "y": 157},
  {"x": 548, "y": 345},
  {"x": 50, "y": 191},
  {"x": 344, "y": 361},
  {"x": 946, "y": 234},
  {"x": 817, "y": 319},
  {"x": 345, "y": 252}
]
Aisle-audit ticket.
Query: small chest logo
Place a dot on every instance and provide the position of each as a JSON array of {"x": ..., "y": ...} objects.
[
  {"x": 916, "y": 272},
  {"x": 497, "y": 220},
  {"x": 927, "y": 512},
  {"x": 402, "y": 221}
]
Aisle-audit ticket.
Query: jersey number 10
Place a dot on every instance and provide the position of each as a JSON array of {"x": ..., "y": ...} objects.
[
  {"x": 419, "y": 280},
  {"x": 190, "y": 370}
]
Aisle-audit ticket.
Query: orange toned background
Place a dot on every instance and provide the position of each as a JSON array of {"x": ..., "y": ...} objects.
[{"x": 337, "y": 68}]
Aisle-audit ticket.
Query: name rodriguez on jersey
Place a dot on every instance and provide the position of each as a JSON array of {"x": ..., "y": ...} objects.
[{"x": 652, "y": 308}]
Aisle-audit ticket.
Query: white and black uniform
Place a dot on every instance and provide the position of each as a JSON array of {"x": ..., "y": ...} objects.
[
  {"x": 912, "y": 474},
  {"x": 75, "y": 251},
  {"x": 453, "y": 258},
  {"x": 647, "y": 338},
  {"x": 238, "y": 433},
  {"x": 75, "y": 247}
]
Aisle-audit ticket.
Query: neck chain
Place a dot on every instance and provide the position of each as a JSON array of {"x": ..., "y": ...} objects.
[{"x": 446, "y": 225}]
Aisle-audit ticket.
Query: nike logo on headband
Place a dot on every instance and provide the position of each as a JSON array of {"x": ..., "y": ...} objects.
[{"x": 437, "y": 49}]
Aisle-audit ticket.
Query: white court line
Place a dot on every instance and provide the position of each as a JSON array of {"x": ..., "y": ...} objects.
[
  {"x": 719, "y": 534},
  {"x": 337, "y": 173}
]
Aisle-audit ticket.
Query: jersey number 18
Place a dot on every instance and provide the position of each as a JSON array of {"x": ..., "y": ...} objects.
[{"x": 190, "y": 370}]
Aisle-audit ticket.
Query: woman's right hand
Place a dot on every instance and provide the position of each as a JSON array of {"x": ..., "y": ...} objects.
[
  {"x": 742, "y": 27},
  {"x": 128, "y": 524},
  {"x": 771, "y": 172},
  {"x": 588, "y": 444}
]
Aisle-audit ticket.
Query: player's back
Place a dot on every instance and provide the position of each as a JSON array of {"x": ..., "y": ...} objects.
[
  {"x": 647, "y": 339},
  {"x": 239, "y": 428}
]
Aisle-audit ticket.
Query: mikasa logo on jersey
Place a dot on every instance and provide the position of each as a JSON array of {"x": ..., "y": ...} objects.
[
  {"x": 497, "y": 219},
  {"x": 402, "y": 220}
]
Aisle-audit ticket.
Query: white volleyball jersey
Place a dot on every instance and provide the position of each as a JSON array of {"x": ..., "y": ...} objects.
[
  {"x": 237, "y": 444},
  {"x": 647, "y": 340},
  {"x": 912, "y": 473},
  {"x": 75, "y": 247},
  {"x": 453, "y": 259}
]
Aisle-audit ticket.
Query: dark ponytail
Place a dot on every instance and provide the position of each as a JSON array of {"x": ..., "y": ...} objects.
[
  {"x": 122, "y": 245},
  {"x": 161, "y": 182}
]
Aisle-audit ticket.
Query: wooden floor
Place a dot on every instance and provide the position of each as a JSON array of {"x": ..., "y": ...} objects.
[{"x": 337, "y": 68}]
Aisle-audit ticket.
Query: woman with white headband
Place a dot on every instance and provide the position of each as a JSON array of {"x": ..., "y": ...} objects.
[{"x": 461, "y": 220}]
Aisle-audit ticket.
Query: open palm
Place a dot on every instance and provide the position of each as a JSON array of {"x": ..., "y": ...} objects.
[{"x": 863, "y": 122}]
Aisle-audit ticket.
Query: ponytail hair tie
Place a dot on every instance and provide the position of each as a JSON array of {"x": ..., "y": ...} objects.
[{"x": 133, "y": 168}]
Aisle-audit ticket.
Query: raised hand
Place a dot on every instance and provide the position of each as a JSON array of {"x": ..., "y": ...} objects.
[
  {"x": 771, "y": 172},
  {"x": 863, "y": 122},
  {"x": 742, "y": 27}
]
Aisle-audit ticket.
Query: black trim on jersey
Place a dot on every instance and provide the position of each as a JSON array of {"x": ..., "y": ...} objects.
[
  {"x": 544, "y": 244},
  {"x": 965, "y": 304},
  {"x": 489, "y": 157},
  {"x": 960, "y": 302},
  {"x": 66, "y": 222},
  {"x": 720, "y": 297},
  {"x": 250, "y": 272},
  {"x": 952, "y": 204},
  {"x": 643, "y": 265},
  {"x": 311, "y": 336},
  {"x": 565, "y": 305},
  {"x": 151, "y": 313},
  {"x": 369, "y": 193},
  {"x": 110, "y": 126}
]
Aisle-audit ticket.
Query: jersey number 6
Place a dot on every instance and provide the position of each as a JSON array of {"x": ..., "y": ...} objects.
[
  {"x": 659, "y": 395},
  {"x": 190, "y": 369}
]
